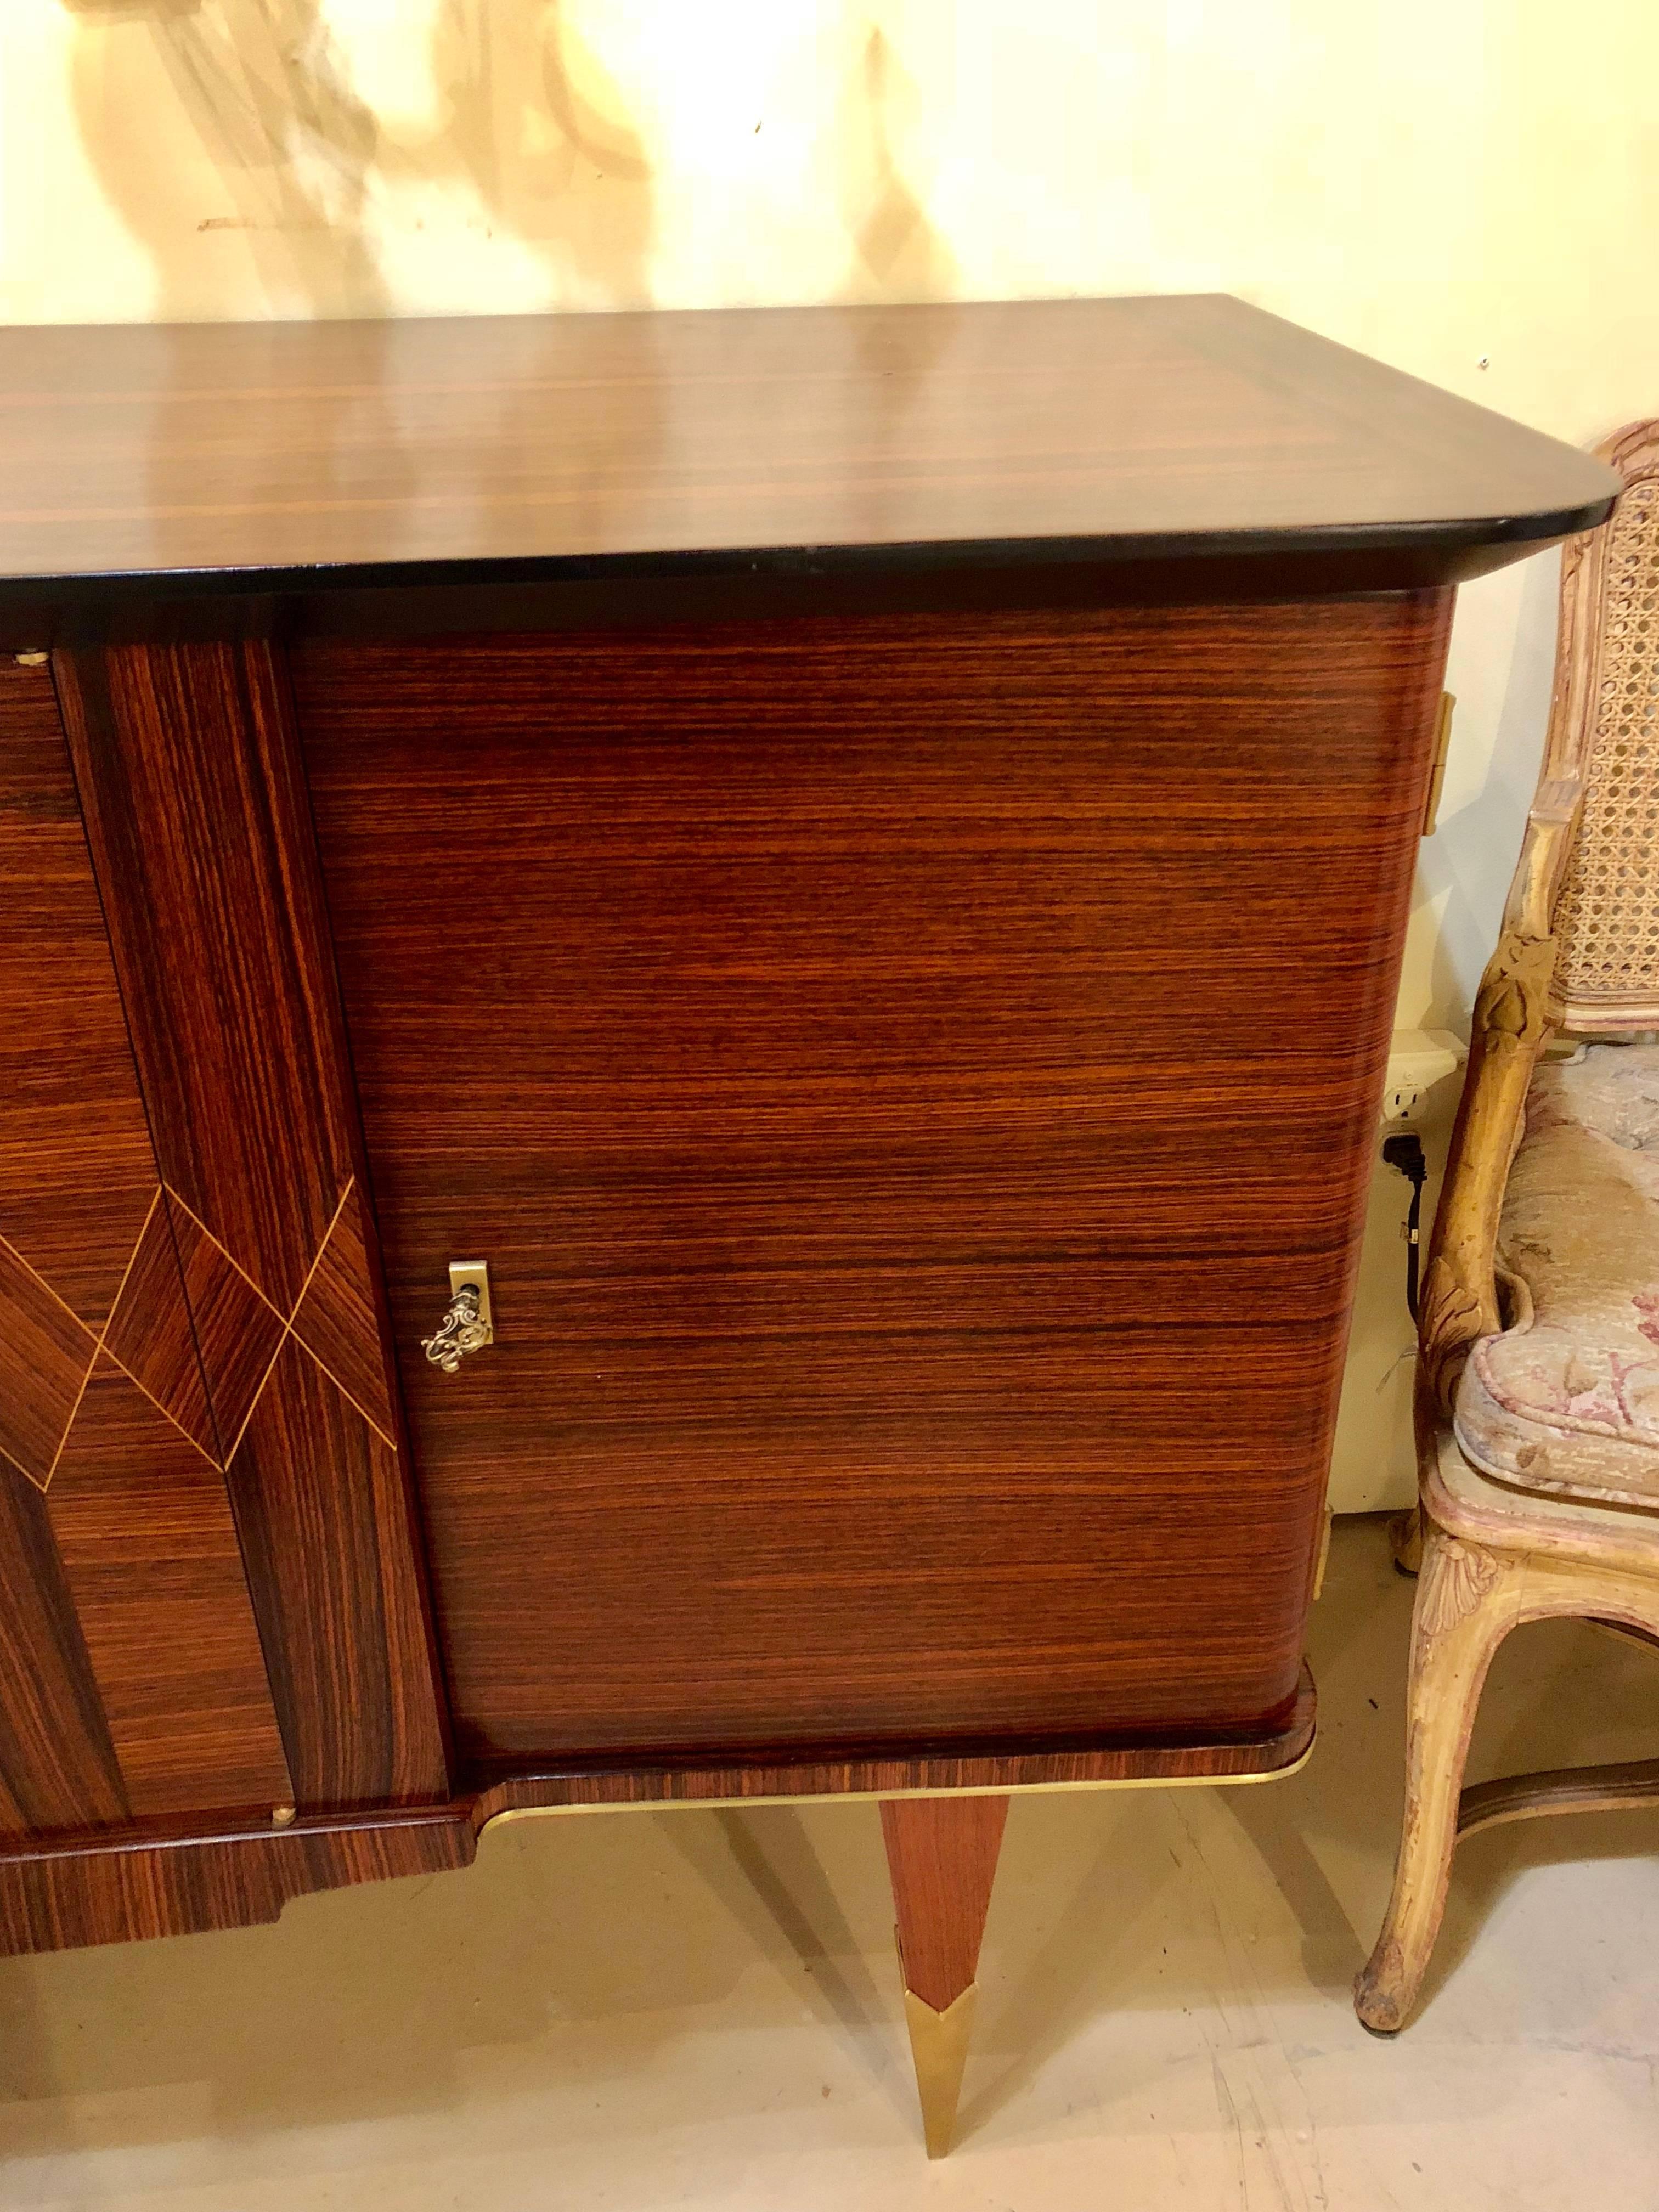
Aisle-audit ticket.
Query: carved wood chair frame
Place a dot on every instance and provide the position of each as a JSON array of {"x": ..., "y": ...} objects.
[{"x": 1490, "y": 1557}]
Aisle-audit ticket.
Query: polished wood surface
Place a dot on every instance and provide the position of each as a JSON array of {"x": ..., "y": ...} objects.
[
  {"x": 327, "y": 1538},
  {"x": 191, "y": 803},
  {"x": 884, "y": 940},
  {"x": 201, "y": 839},
  {"x": 44, "y": 1353},
  {"x": 110, "y": 1890},
  {"x": 1071, "y": 1767},
  {"x": 914, "y": 1083},
  {"x": 153, "y": 1567},
  {"x": 138, "y": 463},
  {"x": 131, "y": 1680},
  {"x": 57, "y": 1765},
  {"x": 153, "y": 1335},
  {"x": 160, "y": 1877},
  {"x": 77, "y": 1176}
]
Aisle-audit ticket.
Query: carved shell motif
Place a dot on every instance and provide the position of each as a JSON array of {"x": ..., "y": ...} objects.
[{"x": 1455, "y": 1577}]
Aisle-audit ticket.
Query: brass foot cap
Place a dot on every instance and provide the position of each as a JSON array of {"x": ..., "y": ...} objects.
[{"x": 939, "y": 2047}]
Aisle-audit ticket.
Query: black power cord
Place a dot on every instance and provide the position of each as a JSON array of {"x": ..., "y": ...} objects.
[{"x": 1405, "y": 1154}]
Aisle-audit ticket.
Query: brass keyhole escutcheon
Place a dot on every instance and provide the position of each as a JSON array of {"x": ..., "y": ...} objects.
[{"x": 468, "y": 1325}]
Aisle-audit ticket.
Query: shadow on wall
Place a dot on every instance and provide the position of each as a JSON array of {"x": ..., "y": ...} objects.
[
  {"x": 258, "y": 95},
  {"x": 900, "y": 255}
]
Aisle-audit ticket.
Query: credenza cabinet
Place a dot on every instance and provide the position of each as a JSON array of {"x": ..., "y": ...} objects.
[{"x": 691, "y": 1008}]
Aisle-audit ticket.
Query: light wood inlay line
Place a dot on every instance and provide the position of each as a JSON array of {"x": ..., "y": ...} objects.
[
  {"x": 22, "y": 1469},
  {"x": 228, "y": 1256},
  {"x": 255, "y": 1406},
  {"x": 311, "y": 1272},
  {"x": 97, "y": 1337},
  {"x": 288, "y": 1329},
  {"x": 289, "y": 1322},
  {"x": 390, "y": 1442},
  {"x": 30, "y": 1269},
  {"x": 122, "y": 1368},
  {"x": 102, "y": 1334}
]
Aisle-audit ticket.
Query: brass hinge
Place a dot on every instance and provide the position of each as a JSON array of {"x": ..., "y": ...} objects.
[{"x": 1443, "y": 730}]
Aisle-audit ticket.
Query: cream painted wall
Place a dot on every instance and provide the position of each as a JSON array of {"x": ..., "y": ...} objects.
[{"x": 1466, "y": 188}]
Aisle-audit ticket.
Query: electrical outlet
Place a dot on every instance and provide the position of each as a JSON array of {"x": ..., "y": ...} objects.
[{"x": 1417, "y": 1059}]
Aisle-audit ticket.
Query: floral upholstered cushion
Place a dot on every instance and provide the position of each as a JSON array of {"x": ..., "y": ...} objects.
[{"x": 1566, "y": 1400}]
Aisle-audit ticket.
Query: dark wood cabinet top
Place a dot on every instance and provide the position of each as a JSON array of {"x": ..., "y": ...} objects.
[{"x": 1109, "y": 438}]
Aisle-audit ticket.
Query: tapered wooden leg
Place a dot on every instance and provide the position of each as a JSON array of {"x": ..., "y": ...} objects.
[
  {"x": 1467, "y": 1599},
  {"x": 942, "y": 1853}
]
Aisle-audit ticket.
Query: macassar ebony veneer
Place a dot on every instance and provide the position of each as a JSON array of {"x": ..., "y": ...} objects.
[
  {"x": 845, "y": 870},
  {"x": 865, "y": 1090}
]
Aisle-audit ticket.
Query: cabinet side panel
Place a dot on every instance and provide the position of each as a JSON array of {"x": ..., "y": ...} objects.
[{"x": 202, "y": 842}]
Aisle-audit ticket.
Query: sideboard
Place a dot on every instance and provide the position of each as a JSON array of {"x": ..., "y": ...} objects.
[{"x": 691, "y": 1008}]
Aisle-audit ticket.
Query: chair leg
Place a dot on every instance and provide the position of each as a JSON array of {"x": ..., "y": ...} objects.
[
  {"x": 1405, "y": 1540},
  {"x": 942, "y": 1855},
  {"x": 1467, "y": 1603}
]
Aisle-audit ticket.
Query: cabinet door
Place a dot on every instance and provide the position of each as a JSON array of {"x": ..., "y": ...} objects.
[
  {"x": 131, "y": 1679},
  {"x": 202, "y": 847},
  {"x": 912, "y": 1080}
]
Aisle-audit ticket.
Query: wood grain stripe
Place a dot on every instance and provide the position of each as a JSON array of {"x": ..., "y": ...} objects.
[
  {"x": 914, "y": 1092},
  {"x": 151, "y": 1561},
  {"x": 200, "y": 832},
  {"x": 77, "y": 1176},
  {"x": 59, "y": 1900},
  {"x": 194, "y": 815},
  {"x": 58, "y": 1762},
  {"x": 149, "y": 1336},
  {"x": 344, "y": 1698}
]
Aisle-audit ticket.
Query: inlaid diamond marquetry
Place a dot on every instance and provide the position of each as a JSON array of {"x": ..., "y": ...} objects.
[
  {"x": 150, "y": 1336},
  {"x": 337, "y": 1323},
  {"x": 237, "y": 1331}
]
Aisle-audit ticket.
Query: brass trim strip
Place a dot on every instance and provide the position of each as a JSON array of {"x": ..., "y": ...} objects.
[{"x": 875, "y": 1796}]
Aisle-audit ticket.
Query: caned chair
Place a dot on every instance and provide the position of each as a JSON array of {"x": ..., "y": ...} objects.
[{"x": 1538, "y": 1329}]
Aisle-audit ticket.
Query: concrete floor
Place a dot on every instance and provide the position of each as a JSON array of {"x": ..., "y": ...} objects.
[{"x": 639, "y": 2009}]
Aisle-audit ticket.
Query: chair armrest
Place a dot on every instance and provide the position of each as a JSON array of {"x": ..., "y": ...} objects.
[
  {"x": 1459, "y": 1305},
  {"x": 1536, "y": 882}
]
